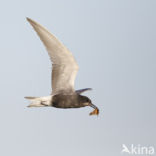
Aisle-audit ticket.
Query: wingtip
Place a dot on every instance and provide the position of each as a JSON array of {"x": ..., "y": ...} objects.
[
  {"x": 28, "y": 19},
  {"x": 32, "y": 22}
]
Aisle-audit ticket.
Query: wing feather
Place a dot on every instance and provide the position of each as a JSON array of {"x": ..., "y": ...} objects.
[{"x": 64, "y": 65}]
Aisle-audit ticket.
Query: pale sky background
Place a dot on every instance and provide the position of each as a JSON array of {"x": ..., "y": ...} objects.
[{"x": 114, "y": 43}]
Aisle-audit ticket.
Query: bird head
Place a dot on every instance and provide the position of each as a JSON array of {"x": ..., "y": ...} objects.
[{"x": 87, "y": 102}]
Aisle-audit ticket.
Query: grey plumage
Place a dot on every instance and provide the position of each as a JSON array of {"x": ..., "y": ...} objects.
[{"x": 64, "y": 67}]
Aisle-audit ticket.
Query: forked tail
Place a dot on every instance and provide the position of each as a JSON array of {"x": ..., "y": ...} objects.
[{"x": 40, "y": 101}]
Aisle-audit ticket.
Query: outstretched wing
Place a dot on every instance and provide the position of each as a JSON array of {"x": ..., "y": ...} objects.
[
  {"x": 80, "y": 91},
  {"x": 64, "y": 65}
]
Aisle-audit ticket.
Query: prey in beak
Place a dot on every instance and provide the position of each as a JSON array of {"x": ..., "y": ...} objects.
[{"x": 95, "y": 111}]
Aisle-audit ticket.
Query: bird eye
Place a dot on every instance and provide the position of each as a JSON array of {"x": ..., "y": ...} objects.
[{"x": 88, "y": 101}]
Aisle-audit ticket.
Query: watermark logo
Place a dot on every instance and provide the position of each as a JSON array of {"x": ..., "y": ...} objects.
[{"x": 137, "y": 149}]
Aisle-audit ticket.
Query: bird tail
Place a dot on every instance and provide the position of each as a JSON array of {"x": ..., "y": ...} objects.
[{"x": 39, "y": 101}]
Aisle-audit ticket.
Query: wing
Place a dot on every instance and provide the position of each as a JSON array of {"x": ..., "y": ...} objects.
[
  {"x": 64, "y": 65},
  {"x": 80, "y": 91}
]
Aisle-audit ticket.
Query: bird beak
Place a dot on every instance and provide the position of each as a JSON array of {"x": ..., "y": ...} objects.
[{"x": 93, "y": 106}]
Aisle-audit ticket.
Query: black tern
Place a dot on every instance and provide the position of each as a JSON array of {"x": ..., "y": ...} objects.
[{"x": 64, "y": 71}]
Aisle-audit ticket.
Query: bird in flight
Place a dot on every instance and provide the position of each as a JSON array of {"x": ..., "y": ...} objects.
[{"x": 64, "y": 71}]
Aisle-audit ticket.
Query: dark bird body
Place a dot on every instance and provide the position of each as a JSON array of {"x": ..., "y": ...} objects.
[
  {"x": 70, "y": 101},
  {"x": 64, "y": 70}
]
